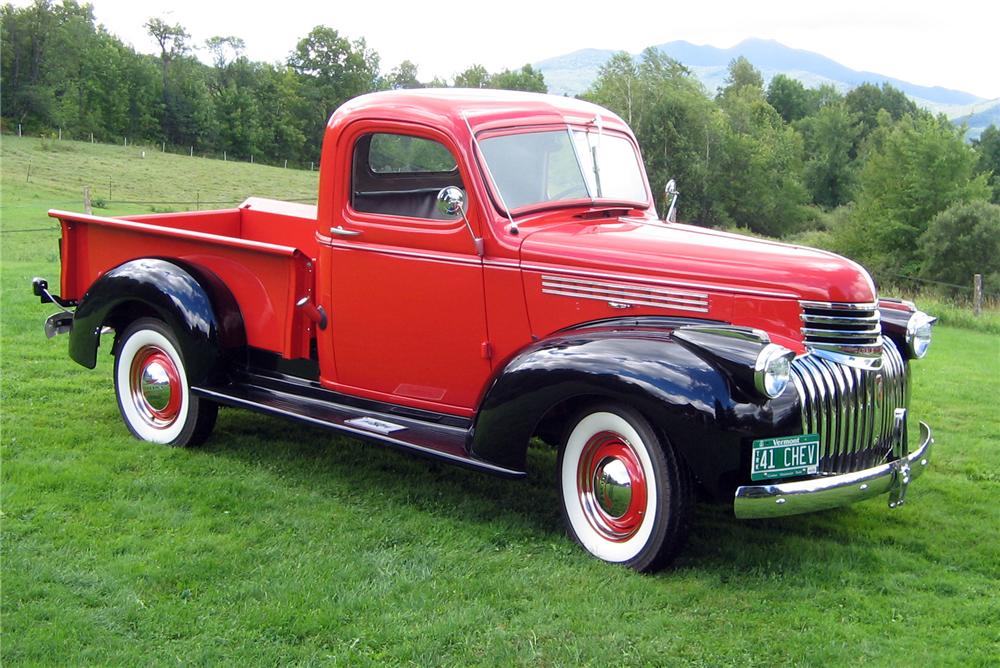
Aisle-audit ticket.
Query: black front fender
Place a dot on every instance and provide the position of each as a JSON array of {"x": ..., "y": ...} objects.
[
  {"x": 197, "y": 307},
  {"x": 687, "y": 396}
]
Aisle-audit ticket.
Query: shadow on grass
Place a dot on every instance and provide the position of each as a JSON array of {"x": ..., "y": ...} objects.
[{"x": 811, "y": 547}]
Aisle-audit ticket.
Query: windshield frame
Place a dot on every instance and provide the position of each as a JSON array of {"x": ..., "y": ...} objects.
[{"x": 595, "y": 202}]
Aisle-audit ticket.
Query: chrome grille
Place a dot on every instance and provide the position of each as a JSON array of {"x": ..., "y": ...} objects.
[
  {"x": 851, "y": 408},
  {"x": 844, "y": 331}
]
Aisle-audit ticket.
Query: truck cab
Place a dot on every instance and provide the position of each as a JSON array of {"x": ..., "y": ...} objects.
[{"x": 484, "y": 267}]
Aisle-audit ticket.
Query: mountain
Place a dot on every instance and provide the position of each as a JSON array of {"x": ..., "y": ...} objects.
[
  {"x": 573, "y": 73},
  {"x": 979, "y": 117}
]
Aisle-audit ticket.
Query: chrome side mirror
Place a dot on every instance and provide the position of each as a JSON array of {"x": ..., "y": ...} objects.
[
  {"x": 451, "y": 201},
  {"x": 672, "y": 195}
]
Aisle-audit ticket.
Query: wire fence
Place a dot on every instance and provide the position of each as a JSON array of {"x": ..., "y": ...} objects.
[{"x": 191, "y": 150}]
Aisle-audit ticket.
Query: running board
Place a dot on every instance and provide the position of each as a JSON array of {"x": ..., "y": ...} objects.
[{"x": 437, "y": 441}]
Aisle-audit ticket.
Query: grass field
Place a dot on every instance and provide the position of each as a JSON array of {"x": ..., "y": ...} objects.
[{"x": 280, "y": 544}]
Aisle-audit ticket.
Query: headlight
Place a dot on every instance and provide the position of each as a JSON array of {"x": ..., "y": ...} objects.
[
  {"x": 772, "y": 370},
  {"x": 918, "y": 333}
]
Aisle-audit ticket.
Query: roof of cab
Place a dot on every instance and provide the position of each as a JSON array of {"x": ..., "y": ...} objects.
[{"x": 484, "y": 108}]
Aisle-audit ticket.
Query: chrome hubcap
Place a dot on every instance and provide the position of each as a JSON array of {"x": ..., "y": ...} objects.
[
  {"x": 613, "y": 487},
  {"x": 155, "y": 386}
]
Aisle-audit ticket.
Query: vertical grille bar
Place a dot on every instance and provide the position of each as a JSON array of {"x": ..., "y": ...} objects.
[{"x": 850, "y": 408}]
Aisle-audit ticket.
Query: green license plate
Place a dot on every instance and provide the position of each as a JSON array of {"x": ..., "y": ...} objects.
[{"x": 785, "y": 457}]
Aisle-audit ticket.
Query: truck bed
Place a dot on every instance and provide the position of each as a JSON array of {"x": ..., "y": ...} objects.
[{"x": 264, "y": 251}]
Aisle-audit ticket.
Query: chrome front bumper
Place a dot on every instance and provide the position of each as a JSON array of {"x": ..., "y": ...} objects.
[{"x": 806, "y": 496}]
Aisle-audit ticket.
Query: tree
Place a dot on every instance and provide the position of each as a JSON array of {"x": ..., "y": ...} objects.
[
  {"x": 741, "y": 75},
  {"x": 988, "y": 148},
  {"x": 922, "y": 167},
  {"x": 756, "y": 179},
  {"x": 789, "y": 98},
  {"x": 617, "y": 85},
  {"x": 331, "y": 70},
  {"x": 525, "y": 79},
  {"x": 675, "y": 122},
  {"x": 171, "y": 38},
  {"x": 867, "y": 100},
  {"x": 403, "y": 75},
  {"x": 963, "y": 240},
  {"x": 224, "y": 50},
  {"x": 475, "y": 76},
  {"x": 829, "y": 173}
]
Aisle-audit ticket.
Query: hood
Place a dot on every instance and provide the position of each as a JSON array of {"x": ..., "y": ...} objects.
[{"x": 699, "y": 256}]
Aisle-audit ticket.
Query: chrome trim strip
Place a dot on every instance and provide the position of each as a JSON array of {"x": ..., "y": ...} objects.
[
  {"x": 843, "y": 333},
  {"x": 840, "y": 319},
  {"x": 387, "y": 250},
  {"x": 836, "y": 337},
  {"x": 633, "y": 302},
  {"x": 630, "y": 286},
  {"x": 552, "y": 287},
  {"x": 840, "y": 306},
  {"x": 501, "y": 264},
  {"x": 625, "y": 294},
  {"x": 806, "y": 496},
  {"x": 528, "y": 266}
]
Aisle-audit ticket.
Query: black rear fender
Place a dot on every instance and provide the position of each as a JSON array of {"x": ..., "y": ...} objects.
[{"x": 193, "y": 302}]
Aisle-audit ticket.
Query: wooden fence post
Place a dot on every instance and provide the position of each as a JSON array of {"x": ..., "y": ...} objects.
[
  {"x": 86, "y": 201},
  {"x": 977, "y": 294}
]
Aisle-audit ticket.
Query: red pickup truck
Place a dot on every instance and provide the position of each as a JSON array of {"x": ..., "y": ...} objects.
[{"x": 482, "y": 268}]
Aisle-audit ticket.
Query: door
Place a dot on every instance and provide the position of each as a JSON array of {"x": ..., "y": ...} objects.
[{"x": 408, "y": 311}]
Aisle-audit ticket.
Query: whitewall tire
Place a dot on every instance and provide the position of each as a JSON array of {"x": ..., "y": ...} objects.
[
  {"x": 151, "y": 384},
  {"x": 625, "y": 497}
]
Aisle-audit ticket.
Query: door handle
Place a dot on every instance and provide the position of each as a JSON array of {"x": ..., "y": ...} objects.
[{"x": 341, "y": 232}]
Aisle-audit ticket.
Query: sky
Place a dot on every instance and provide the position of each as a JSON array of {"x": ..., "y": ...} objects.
[{"x": 950, "y": 44}]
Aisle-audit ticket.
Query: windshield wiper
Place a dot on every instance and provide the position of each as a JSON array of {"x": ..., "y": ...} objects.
[{"x": 594, "y": 153}]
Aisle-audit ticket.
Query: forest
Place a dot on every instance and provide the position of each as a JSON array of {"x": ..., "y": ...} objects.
[{"x": 865, "y": 172}]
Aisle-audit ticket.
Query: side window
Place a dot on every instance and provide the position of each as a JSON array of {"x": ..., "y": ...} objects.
[{"x": 401, "y": 175}]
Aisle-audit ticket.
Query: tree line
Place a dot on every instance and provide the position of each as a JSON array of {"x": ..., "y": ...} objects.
[
  {"x": 61, "y": 69},
  {"x": 865, "y": 173}
]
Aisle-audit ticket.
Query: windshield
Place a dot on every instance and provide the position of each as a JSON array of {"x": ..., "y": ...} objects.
[{"x": 531, "y": 168}]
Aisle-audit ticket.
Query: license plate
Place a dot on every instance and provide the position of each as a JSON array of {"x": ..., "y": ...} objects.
[{"x": 784, "y": 457}]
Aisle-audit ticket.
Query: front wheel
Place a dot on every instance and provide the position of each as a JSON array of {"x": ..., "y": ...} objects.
[
  {"x": 626, "y": 497},
  {"x": 151, "y": 384}
]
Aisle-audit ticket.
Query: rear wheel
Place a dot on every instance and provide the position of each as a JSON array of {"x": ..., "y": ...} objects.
[
  {"x": 626, "y": 497},
  {"x": 151, "y": 384}
]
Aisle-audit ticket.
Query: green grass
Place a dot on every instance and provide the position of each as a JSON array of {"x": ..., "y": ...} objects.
[{"x": 277, "y": 543}]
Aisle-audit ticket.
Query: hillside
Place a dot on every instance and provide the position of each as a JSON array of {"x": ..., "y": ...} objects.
[{"x": 573, "y": 73}]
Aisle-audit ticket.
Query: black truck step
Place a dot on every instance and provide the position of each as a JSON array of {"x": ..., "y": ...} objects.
[{"x": 438, "y": 441}]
